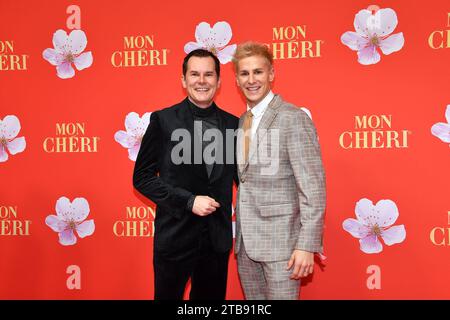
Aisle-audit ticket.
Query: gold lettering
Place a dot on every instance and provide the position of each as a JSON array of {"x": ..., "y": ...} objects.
[
  {"x": 71, "y": 144},
  {"x": 306, "y": 46},
  {"x": 5, "y": 227},
  {"x": 288, "y": 33},
  {"x": 431, "y": 40},
  {"x": 342, "y": 137},
  {"x": 115, "y": 227},
  {"x": 376, "y": 138},
  {"x": 114, "y": 59},
  {"x": 138, "y": 42},
  {"x": 433, "y": 236},
  {"x": 6, "y": 46},
  {"x": 360, "y": 123},
  {"x": 70, "y": 129},
  {"x": 278, "y": 53},
  {"x": 15, "y": 227},
  {"x": 13, "y": 62},
  {"x": 292, "y": 49},
  {"x": 358, "y": 139},
  {"x": 139, "y": 212},
  {"x": 7, "y": 212}
]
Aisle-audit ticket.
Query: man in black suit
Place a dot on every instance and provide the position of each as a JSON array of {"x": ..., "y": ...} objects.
[{"x": 184, "y": 167}]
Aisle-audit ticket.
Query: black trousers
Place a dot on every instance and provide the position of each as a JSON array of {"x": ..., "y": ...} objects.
[{"x": 207, "y": 269}]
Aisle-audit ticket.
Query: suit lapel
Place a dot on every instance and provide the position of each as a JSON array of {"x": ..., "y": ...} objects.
[{"x": 269, "y": 115}]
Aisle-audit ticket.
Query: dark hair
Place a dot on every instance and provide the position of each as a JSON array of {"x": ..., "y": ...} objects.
[{"x": 203, "y": 53}]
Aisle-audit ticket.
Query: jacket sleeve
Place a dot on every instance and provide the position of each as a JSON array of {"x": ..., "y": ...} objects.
[
  {"x": 146, "y": 177},
  {"x": 306, "y": 161}
]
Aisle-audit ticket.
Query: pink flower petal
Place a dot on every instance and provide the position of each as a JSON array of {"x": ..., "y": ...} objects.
[
  {"x": 9, "y": 127},
  {"x": 360, "y": 22},
  {"x": 80, "y": 209},
  {"x": 226, "y": 54},
  {"x": 77, "y": 41},
  {"x": 370, "y": 244},
  {"x": 17, "y": 145},
  {"x": 125, "y": 140},
  {"x": 65, "y": 70},
  {"x": 386, "y": 213},
  {"x": 393, "y": 235},
  {"x": 54, "y": 57},
  {"x": 368, "y": 55},
  {"x": 364, "y": 209},
  {"x": 354, "y": 41},
  {"x": 60, "y": 39},
  {"x": 133, "y": 152},
  {"x": 3, "y": 154},
  {"x": 86, "y": 228},
  {"x": 191, "y": 46},
  {"x": 135, "y": 125},
  {"x": 383, "y": 22},
  {"x": 55, "y": 223},
  {"x": 62, "y": 208},
  {"x": 355, "y": 228},
  {"x": 132, "y": 121},
  {"x": 392, "y": 44},
  {"x": 442, "y": 131},
  {"x": 203, "y": 33},
  {"x": 83, "y": 61},
  {"x": 67, "y": 238},
  {"x": 146, "y": 120},
  {"x": 221, "y": 34}
]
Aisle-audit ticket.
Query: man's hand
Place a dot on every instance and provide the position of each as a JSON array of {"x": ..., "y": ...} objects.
[
  {"x": 204, "y": 205},
  {"x": 303, "y": 263}
]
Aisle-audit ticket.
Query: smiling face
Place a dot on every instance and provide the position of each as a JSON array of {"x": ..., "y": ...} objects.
[
  {"x": 254, "y": 76},
  {"x": 201, "y": 81}
]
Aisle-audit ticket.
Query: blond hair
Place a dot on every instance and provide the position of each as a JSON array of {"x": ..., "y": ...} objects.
[{"x": 250, "y": 48}]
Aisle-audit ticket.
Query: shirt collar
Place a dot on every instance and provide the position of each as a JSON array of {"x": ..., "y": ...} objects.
[{"x": 259, "y": 109}]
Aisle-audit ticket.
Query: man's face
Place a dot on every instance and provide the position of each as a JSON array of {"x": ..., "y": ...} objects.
[
  {"x": 254, "y": 77},
  {"x": 201, "y": 81}
]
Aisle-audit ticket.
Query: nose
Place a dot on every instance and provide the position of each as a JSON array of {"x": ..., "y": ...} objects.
[
  {"x": 202, "y": 78},
  {"x": 251, "y": 78}
]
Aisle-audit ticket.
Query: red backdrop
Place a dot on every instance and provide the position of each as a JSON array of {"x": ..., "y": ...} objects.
[{"x": 408, "y": 88}]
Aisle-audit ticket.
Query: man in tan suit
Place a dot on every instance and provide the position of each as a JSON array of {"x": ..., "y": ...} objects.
[{"x": 281, "y": 195}]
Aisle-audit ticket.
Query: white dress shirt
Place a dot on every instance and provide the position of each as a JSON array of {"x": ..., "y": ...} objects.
[{"x": 258, "y": 112}]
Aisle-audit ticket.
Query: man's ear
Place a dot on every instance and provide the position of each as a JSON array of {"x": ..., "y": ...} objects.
[
  {"x": 271, "y": 74},
  {"x": 183, "y": 81}
]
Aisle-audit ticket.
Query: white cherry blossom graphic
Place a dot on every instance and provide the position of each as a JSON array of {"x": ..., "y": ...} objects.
[
  {"x": 374, "y": 33},
  {"x": 67, "y": 50},
  {"x": 442, "y": 129},
  {"x": 135, "y": 130},
  {"x": 213, "y": 39},
  {"x": 9, "y": 142},
  {"x": 70, "y": 217},
  {"x": 373, "y": 223}
]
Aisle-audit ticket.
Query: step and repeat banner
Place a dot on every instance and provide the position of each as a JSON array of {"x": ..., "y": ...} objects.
[{"x": 79, "y": 80}]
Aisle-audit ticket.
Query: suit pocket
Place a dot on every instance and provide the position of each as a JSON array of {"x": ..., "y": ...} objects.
[{"x": 273, "y": 210}]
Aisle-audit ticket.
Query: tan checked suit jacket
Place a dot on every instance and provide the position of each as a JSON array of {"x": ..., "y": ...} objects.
[{"x": 280, "y": 206}]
